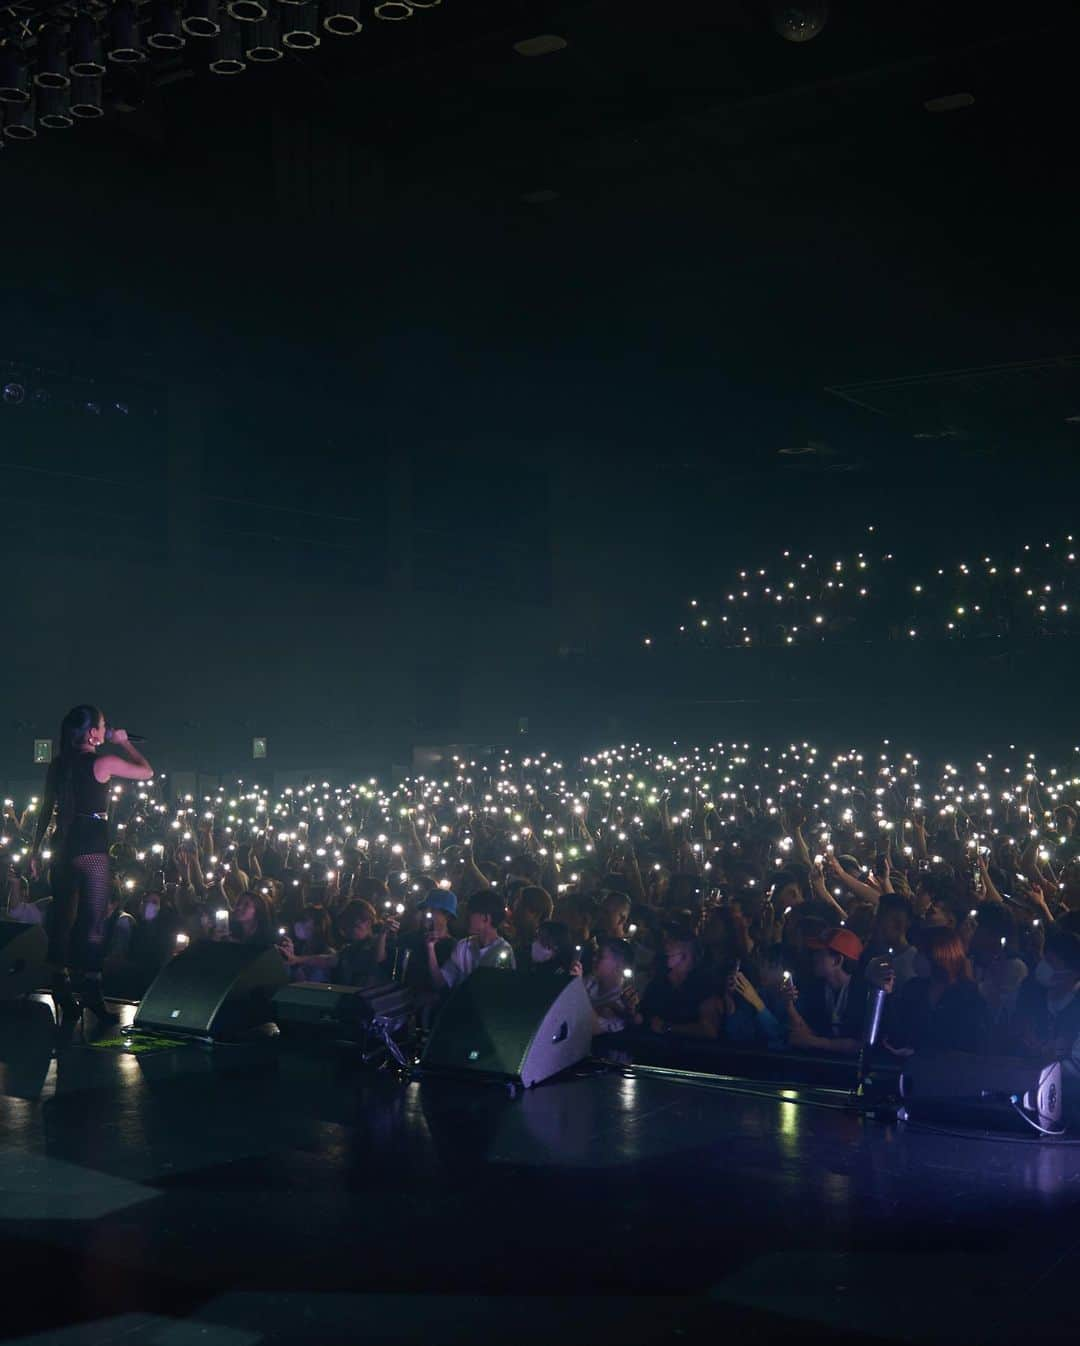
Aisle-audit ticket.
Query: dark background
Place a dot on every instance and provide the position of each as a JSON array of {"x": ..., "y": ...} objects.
[{"x": 387, "y": 396}]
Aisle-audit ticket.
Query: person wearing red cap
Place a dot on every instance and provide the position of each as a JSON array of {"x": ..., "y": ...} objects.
[{"x": 832, "y": 1009}]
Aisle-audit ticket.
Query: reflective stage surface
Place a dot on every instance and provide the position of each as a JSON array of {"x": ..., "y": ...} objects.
[{"x": 261, "y": 1194}]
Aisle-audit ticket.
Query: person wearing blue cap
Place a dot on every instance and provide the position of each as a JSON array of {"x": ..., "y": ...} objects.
[
  {"x": 484, "y": 946},
  {"x": 437, "y": 910}
]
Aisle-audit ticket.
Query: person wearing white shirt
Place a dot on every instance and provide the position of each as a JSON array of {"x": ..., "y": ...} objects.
[
  {"x": 611, "y": 994},
  {"x": 484, "y": 946}
]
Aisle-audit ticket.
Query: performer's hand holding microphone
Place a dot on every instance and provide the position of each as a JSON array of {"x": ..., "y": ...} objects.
[{"x": 122, "y": 736}]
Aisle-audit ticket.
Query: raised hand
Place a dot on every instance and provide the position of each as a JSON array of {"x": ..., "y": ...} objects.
[{"x": 743, "y": 987}]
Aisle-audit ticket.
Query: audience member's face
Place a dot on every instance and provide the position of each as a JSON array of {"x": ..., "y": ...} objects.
[
  {"x": 938, "y": 914},
  {"x": 362, "y": 929},
  {"x": 303, "y": 930},
  {"x": 245, "y": 910},
  {"x": 787, "y": 895},
  {"x": 827, "y": 965},
  {"x": 616, "y": 916},
  {"x": 479, "y": 924},
  {"x": 680, "y": 960},
  {"x": 436, "y": 919}
]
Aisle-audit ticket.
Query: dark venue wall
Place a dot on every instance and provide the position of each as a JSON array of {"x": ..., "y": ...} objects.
[{"x": 429, "y": 418}]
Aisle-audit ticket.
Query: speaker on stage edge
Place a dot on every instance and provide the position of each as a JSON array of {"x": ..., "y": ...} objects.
[
  {"x": 213, "y": 990},
  {"x": 513, "y": 1026},
  {"x": 992, "y": 1091}
]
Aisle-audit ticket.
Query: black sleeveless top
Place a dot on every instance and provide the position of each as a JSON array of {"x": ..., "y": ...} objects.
[{"x": 86, "y": 834}]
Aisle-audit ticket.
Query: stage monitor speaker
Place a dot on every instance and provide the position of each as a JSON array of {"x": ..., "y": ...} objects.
[
  {"x": 990, "y": 1091},
  {"x": 519, "y": 1026},
  {"x": 345, "y": 1009},
  {"x": 213, "y": 990},
  {"x": 22, "y": 958}
]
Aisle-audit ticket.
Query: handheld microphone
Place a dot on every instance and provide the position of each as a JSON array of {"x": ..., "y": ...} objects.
[{"x": 131, "y": 738}]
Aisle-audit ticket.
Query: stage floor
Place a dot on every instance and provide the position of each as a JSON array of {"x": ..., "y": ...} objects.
[{"x": 267, "y": 1195}]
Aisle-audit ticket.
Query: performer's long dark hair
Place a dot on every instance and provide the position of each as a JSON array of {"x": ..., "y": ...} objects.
[{"x": 74, "y": 728}]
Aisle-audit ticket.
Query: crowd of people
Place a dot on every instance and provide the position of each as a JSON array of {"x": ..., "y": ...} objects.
[
  {"x": 748, "y": 896},
  {"x": 878, "y": 594}
]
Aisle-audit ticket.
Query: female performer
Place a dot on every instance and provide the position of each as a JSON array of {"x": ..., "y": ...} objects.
[{"x": 77, "y": 790}]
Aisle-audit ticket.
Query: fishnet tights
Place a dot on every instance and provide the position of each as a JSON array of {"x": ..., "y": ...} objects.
[{"x": 81, "y": 888}]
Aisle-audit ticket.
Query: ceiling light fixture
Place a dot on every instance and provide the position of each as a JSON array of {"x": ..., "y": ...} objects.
[
  {"x": 87, "y": 54},
  {"x": 228, "y": 52},
  {"x": 342, "y": 18},
  {"x": 201, "y": 19},
  {"x": 86, "y": 97},
  {"x": 54, "y": 109},
  {"x": 265, "y": 40},
  {"x": 125, "y": 41},
  {"x": 248, "y": 11},
  {"x": 14, "y": 78},
  {"x": 300, "y": 25},
  {"x": 52, "y": 59}
]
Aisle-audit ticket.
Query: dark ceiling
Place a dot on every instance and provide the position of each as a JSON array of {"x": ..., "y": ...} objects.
[{"x": 678, "y": 228}]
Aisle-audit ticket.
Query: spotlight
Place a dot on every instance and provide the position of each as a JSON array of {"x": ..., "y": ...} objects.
[
  {"x": 86, "y": 97},
  {"x": 228, "y": 52},
  {"x": 14, "y": 394},
  {"x": 87, "y": 52},
  {"x": 342, "y": 18},
  {"x": 299, "y": 21},
  {"x": 14, "y": 77},
  {"x": 201, "y": 19},
  {"x": 164, "y": 32},
  {"x": 54, "y": 110},
  {"x": 265, "y": 39},
  {"x": 52, "y": 59},
  {"x": 393, "y": 11},
  {"x": 248, "y": 11},
  {"x": 125, "y": 41}
]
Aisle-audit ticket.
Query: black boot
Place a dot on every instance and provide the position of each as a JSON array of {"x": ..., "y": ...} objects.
[
  {"x": 92, "y": 999},
  {"x": 65, "y": 1001}
]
